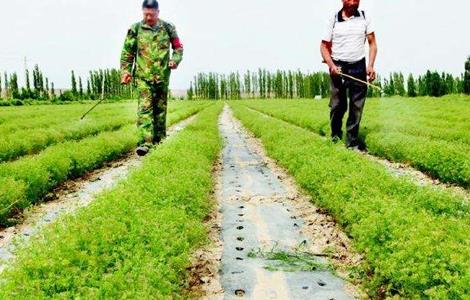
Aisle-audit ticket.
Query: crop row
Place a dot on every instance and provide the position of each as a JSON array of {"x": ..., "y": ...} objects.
[
  {"x": 134, "y": 241},
  {"x": 32, "y": 136},
  {"x": 32, "y": 141},
  {"x": 443, "y": 119},
  {"x": 415, "y": 239},
  {"x": 45, "y": 116},
  {"x": 48, "y": 116},
  {"x": 433, "y": 145},
  {"x": 27, "y": 180}
]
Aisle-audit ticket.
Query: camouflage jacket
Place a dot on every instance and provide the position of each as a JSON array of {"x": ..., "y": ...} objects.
[{"x": 146, "y": 51}]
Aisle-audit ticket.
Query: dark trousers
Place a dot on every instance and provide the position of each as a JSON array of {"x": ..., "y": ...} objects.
[{"x": 341, "y": 88}]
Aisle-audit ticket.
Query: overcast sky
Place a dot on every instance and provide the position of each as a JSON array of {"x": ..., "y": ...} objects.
[{"x": 223, "y": 36}]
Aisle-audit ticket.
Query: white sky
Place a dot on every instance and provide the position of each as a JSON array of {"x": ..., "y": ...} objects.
[{"x": 223, "y": 36}]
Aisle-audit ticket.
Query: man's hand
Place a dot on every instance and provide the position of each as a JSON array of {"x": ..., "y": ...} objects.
[
  {"x": 371, "y": 73},
  {"x": 335, "y": 70},
  {"x": 126, "y": 78},
  {"x": 325, "y": 50},
  {"x": 172, "y": 65}
]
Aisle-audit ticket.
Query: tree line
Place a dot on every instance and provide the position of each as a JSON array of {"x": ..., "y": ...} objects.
[
  {"x": 258, "y": 84},
  {"x": 98, "y": 84},
  {"x": 38, "y": 89},
  {"x": 430, "y": 84},
  {"x": 296, "y": 84}
]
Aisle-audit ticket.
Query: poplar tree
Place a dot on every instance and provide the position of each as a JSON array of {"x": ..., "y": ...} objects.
[
  {"x": 46, "y": 89},
  {"x": 27, "y": 93},
  {"x": 6, "y": 83},
  {"x": 88, "y": 88},
  {"x": 74, "y": 84},
  {"x": 411, "y": 84},
  {"x": 466, "y": 77},
  {"x": 52, "y": 90},
  {"x": 13, "y": 85},
  {"x": 80, "y": 87}
]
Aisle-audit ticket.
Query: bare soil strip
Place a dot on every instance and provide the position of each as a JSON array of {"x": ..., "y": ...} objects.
[
  {"x": 418, "y": 177},
  {"x": 67, "y": 199},
  {"x": 274, "y": 242},
  {"x": 204, "y": 272}
]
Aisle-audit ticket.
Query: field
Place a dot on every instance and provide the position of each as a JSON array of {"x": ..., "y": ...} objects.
[
  {"x": 432, "y": 136},
  {"x": 72, "y": 147},
  {"x": 140, "y": 239},
  {"x": 407, "y": 233}
]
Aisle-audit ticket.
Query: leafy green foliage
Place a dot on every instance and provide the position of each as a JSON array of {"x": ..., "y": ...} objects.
[
  {"x": 42, "y": 172},
  {"x": 106, "y": 83},
  {"x": 134, "y": 241},
  {"x": 431, "y": 135},
  {"x": 33, "y": 135},
  {"x": 296, "y": 84},
  {"x": 466, "y": 79},
  {"x": 262, "y": 84},
  {"x": 30, "y": 130},
  {"x": 12, "y": 194},
  {"x": 412, "y": 92}
]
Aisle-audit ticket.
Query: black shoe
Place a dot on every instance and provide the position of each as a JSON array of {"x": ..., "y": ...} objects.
[
  {"x": 352, "y": 144},
  {"x": 142, "y": 151},
  {"x": 363, "y": 147},
  {"x": 357, "y": 145},
  {"x": 335, "y": 139}
]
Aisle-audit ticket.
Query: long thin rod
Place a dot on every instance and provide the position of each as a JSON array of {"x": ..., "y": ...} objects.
[
  {"x": 83, "y": 117},
  {"x": 361, "y": 81}
]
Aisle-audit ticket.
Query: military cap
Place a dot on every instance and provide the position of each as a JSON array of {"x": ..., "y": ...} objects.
[{"x": 150, "y": 4}]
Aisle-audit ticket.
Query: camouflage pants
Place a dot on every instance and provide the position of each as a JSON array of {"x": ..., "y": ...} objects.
[{"x": 151, "y": 114}]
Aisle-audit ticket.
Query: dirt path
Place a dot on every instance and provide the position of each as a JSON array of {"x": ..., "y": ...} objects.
[
  {"x": 71, "y": 196},
  {"x": 273, "y": 238}
]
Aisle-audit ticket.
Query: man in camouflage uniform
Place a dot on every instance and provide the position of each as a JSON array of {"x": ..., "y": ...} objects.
[{"x": 146, "y": 59}]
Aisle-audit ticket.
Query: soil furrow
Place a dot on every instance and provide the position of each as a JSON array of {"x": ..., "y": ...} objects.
[{"x": 274, "y": 240}]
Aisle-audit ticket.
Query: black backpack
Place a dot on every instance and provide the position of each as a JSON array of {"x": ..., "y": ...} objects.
[{"x": 361, "y": 12}]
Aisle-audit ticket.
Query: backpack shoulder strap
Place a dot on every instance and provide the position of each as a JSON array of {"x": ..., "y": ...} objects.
[
  {"x": 136, "y": 27},
  {"x": 167, "y": 26},
  {"x": 363, "y": 14},
  {"x": 336, "y": 20}
]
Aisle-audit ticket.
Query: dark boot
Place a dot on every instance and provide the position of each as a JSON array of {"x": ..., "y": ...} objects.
[{"x": 142, "y": 150}]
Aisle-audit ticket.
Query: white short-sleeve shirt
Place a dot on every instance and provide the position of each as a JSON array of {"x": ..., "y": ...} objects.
[{"x": 348, "y": 36}]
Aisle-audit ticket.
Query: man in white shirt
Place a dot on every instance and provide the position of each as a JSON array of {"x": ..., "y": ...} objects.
[{"x": 343, "y": 49}]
